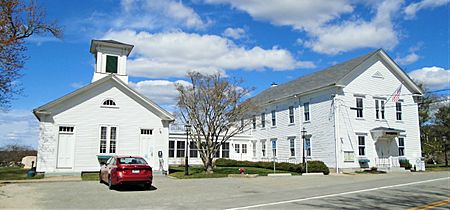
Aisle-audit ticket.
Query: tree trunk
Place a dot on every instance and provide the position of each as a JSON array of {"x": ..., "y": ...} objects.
[{"x": 208, "y": 165}]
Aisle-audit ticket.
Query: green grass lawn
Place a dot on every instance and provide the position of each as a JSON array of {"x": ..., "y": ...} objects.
[
  {"x": 90, "y": 176},
  {"x": 16, "y": 173},
  {"x": 437, "y": 167},
  {"x": 198, "y": 172}
]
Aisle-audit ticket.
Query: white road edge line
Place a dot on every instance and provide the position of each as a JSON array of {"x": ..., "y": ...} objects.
[{"x": 337, "y": 194}]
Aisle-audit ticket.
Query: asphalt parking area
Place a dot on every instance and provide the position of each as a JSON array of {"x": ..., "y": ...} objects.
[{"x": 224, "y": 193}]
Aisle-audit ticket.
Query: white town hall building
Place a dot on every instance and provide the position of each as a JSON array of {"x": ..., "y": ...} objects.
[{"x": 346, "y": 112}]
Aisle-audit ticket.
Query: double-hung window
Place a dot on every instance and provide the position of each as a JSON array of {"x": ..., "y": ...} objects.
[
  {"x": 237, "y": 148},
  {"x": 306, "y": 111},
  {"x": 398, "y": 110},
  {"x": 181, "y": 145},
  {"x": 361, "y": 146},
  {"x": 193, "y": 151},
  {"x": 291, "y": 114},
  {"x": 263, "y": 148},
  {"x": 108, "y": 139},
  {"x": 401, "y": 147},
  {"x": 292, "y": 146},
  {"x": 263, "y": 120},
  {"x": 244, "y": 148},
  {"x": 359, "y": 108},
  {"x": 308, "y": 147},
  {"x": 274, "y": 119},
  {"x": 171, "y": 148},
  {"x": 274, "y": 147},
  {"x": 254, "y": 122},
  {"x": 379, "y": 109},
  {"x": 226, "y": 150}
]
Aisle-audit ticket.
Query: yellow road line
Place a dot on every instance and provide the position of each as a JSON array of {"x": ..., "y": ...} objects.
[{"x": 432, "y": 205}]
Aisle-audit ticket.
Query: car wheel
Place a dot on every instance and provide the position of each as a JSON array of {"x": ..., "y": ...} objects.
[{"x": 110, "y": 185}]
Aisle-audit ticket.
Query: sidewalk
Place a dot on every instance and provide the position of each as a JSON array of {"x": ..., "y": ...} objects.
[{"x": 45, "y": 179}]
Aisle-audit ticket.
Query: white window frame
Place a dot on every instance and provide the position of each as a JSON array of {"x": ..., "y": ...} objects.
[
  {"x": 308, "y": 151},
  {"x": 274, "y": 118},
  {"x": 103, "y": 105},
  {"x": 306, "y": 112},
  {"x": 274, "y": 150},
  {"x": 263, "y": 148},
  {"x": 363, "y": 146},
  {"x": 254, "y": 148},
  {"x": 398, "y": 111},
  {"x": 244, "y": 148},
  {"x": 108, "y": 139},
  {"x": 359, "y": 109},
  {"x": 291, "y": 112},
  {"x": 263, "y": 120},
  {"x": 401, "y": 147},
  {"x": 237, "y": 148},
  {"x": 292, "y": 149}
]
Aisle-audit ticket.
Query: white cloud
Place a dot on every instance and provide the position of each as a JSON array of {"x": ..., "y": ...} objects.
[
  {"x": 350, "y": 35},
  {"x": 140, "y": 15},
  {"x": 174, "y": 54},
  {"x": 301, "y": 14},
  {"x": 433, "y": 77},
  {"x": 324, "y": 22},
  {"x": 235, "y": 33},
  {"x": 162, "y": 92},
  {"x": 413, "y": 8},
  {"x": 411, "y": 57},
  {"x": 408, "y": 59},
  {"x": 18, "y": 127}
]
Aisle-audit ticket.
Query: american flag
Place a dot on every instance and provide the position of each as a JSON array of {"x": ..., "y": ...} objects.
[{"x": 396, "y": 95}]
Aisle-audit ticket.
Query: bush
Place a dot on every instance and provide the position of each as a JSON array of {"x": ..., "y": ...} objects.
[
  {"x": 404, "y": 163},
  {"x": 267, "y": 165},
  {"x": 317, "y": 166}
]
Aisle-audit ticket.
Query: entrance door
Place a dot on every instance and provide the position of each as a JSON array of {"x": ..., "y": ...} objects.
[
  {"x": 146, "y": 146},
  {"x": 66, "y": 142}
]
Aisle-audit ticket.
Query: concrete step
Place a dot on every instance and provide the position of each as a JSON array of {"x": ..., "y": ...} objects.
[{"x": 52, "y": 174}]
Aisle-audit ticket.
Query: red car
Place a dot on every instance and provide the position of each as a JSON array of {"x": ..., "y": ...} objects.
[{"x": 126, "y": 170}]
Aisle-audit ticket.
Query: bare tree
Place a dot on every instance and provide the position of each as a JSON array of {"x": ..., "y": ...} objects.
[
  {"x": 18, "y": 21},
  {"x": 216, "y": 109}
]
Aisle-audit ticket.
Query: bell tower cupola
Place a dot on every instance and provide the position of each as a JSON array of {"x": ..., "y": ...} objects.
[{"x": 110, "y": 58}]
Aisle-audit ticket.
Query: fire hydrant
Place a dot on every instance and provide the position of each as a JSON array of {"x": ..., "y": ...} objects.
[{"x": 241, "y": 170}]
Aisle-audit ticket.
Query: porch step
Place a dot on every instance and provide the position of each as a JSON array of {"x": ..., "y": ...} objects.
[{"x": 53, "y": 174}]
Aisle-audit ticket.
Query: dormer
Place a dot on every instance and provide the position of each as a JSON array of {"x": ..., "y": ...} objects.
[{"x": 110, "y": 58}]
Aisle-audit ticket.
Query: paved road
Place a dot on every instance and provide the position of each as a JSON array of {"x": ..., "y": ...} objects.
[{"x": 388, "y": 191}]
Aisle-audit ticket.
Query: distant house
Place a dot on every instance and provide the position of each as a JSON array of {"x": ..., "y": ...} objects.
[
  {"x": 106, "y": 117},
  {"x": 360, "y": 113}
]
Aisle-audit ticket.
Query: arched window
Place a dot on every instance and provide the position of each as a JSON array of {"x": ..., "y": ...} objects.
[{"x": 109, "y": 102}]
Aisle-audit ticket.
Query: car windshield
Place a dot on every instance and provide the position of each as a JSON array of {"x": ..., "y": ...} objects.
[{"x": 132, "y": 160}]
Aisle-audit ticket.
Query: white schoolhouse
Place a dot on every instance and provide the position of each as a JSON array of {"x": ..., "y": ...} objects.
[{"x": 106, "y": 117}]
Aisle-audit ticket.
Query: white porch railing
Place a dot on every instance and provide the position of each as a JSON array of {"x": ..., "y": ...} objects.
[{"x": 388, "y": 162}]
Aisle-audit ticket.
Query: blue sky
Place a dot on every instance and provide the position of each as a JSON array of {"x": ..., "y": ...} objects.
[{"x": 260, "y": 41}]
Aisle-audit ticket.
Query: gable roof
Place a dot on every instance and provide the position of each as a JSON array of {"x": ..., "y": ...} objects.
[
  {"x": 329, "y": 77},
  {"x": 163, "y": 114}
]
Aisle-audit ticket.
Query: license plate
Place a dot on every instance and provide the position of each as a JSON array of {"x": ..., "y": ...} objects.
[{"x": 135, "y": 171}]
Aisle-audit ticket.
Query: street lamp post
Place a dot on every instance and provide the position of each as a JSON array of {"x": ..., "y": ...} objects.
[
  {"x": 303, "y": 138},
  {"x": 187, "y": 126}
]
